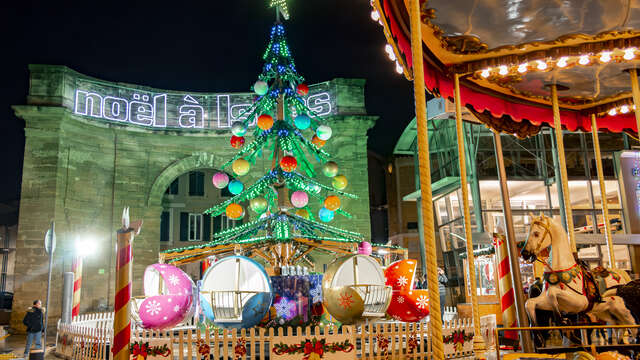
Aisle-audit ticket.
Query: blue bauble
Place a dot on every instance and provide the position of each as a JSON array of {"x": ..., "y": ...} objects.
[
  {"x": 302, "y": 121},
  {"x": 235, "y": 187},
  {"x": 325, "y": 214}
]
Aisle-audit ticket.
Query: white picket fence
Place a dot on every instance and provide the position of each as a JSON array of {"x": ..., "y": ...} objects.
[{"x": 89, "y": 337}]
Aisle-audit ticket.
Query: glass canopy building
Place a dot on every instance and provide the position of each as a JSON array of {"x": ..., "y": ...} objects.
[{"x": 532, "y": 184}]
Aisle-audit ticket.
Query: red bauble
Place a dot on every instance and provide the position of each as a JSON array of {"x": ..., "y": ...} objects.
[
  {"x": 303, "y": 89},
  {"x": 288, "y": 163},
  {"x": 237, "y": 142},
  {"x": 407, "y": 304}
]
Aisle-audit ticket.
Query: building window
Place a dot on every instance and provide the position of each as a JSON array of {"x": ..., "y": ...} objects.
[
  {"x": 196, "y": 183},
  {"x": 173, "y": 188},
  {"x": 195, "y": 227},
  {"x": 165, "y": 226}
]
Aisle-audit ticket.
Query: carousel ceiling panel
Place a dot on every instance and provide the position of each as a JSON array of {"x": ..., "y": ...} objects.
[
  {"x": 498, "y": 23},
  {"x": 586, "y": 84}
]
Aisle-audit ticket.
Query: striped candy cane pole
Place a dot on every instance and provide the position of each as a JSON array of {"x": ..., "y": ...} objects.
[
  {"x": 76, "y": 267},
  {"x": 507, "y": 296},
  {"x": 122, "y": 303}
]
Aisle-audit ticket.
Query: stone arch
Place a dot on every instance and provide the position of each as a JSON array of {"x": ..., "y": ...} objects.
[{"x": 197, "y": 160}]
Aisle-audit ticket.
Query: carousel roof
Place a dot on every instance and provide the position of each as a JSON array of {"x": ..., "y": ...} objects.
[{"x": 507, "y": 51}]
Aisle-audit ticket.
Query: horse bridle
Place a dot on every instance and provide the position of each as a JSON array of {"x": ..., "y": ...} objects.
[{"x": 547, "y": 231}]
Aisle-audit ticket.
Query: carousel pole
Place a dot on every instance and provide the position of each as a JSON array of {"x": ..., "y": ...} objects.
[
  {"x": 435, "y": 322},
  {"x": 527, "y": 345},
  {"x": 479, "y": 347},
  {"x": 557, "y": 124},
  {"x": 603, "y": 191}
]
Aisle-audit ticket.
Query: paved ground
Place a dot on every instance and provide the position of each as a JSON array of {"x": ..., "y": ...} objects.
[{"x": 15, "y": 344}]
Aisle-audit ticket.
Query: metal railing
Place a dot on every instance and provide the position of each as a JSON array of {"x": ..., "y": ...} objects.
[
  {"x": 227, "y": 304},
  {"x": 375, "y": 297}
]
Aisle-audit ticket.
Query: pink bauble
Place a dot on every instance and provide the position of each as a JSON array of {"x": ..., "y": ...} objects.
[
  {"x": 220, "y": 180},
  {"x": 299, "y": 199},
  {"x": 364, "y": 248}
]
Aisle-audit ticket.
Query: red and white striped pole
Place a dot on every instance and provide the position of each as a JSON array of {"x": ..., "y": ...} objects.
[
  {"x": 76, "y": 267},
  {"x": 507, "y": 296},
  {"x": 122, "y": 303}
]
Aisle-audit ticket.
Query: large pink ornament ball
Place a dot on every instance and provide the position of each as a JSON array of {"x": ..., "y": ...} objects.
[
  {"x": 364, "y": 248},
  {"x": 299, "y": 199},
  {"x": 220, "y": 180}
]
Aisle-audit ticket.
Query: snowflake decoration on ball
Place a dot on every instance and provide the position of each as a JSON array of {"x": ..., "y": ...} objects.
[
  {"x": 346, "y": 300},
  {"x": 400, "y": 299},
  {"x": 422, "y": 302},
  {"x": 174, "y": 280},
  {"x": 176, "y": 308},
  {"x": 402, "y": 281},
  {"x": 153, "y": 308}
]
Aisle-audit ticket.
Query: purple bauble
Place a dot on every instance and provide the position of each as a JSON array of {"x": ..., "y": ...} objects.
[
  {"x": 220, "y": 180},
  {"x": 364, "y": 248},
  {"x": 299, "y": 199}
]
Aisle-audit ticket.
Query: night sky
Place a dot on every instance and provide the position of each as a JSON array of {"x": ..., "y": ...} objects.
[{"x": 210, "y": 46}]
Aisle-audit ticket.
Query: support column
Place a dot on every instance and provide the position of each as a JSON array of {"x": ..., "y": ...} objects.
[
  {"x": 562, "y": 162},
  {"x": 435, "y": 323},
  {"x": 556, "y": 172},
  {"x": 423, "y": 260},
  {"x": 478, "y": 342},
  {"x": 514, "y": 252},
  {"x": 603, "y": 191},
  {"x": 475, "y": 181},
  {"x": 76, "y": 267}
]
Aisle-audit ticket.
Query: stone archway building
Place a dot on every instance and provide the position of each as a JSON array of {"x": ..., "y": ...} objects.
[{"x": 93, "y": 147}]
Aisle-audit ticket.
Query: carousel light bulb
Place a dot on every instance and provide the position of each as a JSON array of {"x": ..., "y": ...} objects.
[
  {"x": 392, "y": 56},
  {"x": 503, "y": 70},
  {"x": 633, "y": 107},
  {"x": 399, "y": 69},
  {"x": 522, "y": 68},
  {"x": 542, "y": 65},
  {"x": 624, "y": 109},
  {"x": 583, "y": 60},
  {"x": 612, "y": 112},
  {"x": 605, "y": 56},
  {"x": 629, "y": 53},
  {"x": 375, "y": 15},
  {"x": 388, "y": 49},
  {"x": 485, "y": 73},
  {"x": 562, "y": 62}
]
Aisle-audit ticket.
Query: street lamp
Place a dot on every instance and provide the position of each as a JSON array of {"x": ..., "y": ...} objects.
[{"x": 84, "y": 246}]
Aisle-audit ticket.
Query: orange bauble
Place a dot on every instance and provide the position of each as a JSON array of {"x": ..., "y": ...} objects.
[
  {"x": 234, "y": 211},
  {"x": 265, "y": 121},
  {"x": 288, "y": 163},
  {"x": 317, "y": 141},
  {"x": 332, "y": 203}
]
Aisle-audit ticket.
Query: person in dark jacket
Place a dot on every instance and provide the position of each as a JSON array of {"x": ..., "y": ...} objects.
[
  {"x": 442, "y": 286},
  {"x": 33, "y": 320}
]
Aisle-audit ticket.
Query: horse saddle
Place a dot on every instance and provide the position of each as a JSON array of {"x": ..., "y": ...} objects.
[{"x": 600, "y": 274}]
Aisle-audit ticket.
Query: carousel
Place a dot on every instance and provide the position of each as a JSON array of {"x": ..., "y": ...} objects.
[{"x": 518, "y": 67}]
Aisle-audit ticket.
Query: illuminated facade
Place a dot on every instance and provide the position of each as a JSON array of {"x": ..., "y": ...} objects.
[{"x": 93, "y": 147}]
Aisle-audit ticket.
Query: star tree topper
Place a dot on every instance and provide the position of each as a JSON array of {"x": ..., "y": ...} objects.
[{"x": 281, "y": 6}]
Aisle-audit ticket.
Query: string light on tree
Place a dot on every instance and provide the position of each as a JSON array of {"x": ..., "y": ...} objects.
[{"x": 281, "y": 5}]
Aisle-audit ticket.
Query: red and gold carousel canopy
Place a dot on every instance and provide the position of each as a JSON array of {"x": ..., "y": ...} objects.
[{"x": 507, "y": 51}]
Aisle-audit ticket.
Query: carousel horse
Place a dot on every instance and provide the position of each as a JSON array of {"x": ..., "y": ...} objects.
[{"x": 569, "y": 287}]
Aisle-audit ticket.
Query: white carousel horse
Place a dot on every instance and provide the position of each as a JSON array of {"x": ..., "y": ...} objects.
[{"x": 564, "y": 286}]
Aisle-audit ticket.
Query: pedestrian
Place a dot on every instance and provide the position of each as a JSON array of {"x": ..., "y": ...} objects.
[
  {"x": 33, "y": 320},
  {"x": 442, "y": 283},
  {"x": 424, "y": 282}
]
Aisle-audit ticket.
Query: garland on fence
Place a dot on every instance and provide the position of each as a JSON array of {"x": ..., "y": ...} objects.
[
  {"x": 312, "y": 349},
  {"x": 458, "y": 338},
  {"x": 412, "y": 342},
  {"x": 240, "y": 349},
  {"x": 203, "y": 349},
  {"x": 383, "y": 345},
  {"x": 140, "y": 350}
]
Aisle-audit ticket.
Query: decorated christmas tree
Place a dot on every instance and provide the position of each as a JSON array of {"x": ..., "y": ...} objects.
[{"x": 286, "y": 200}]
